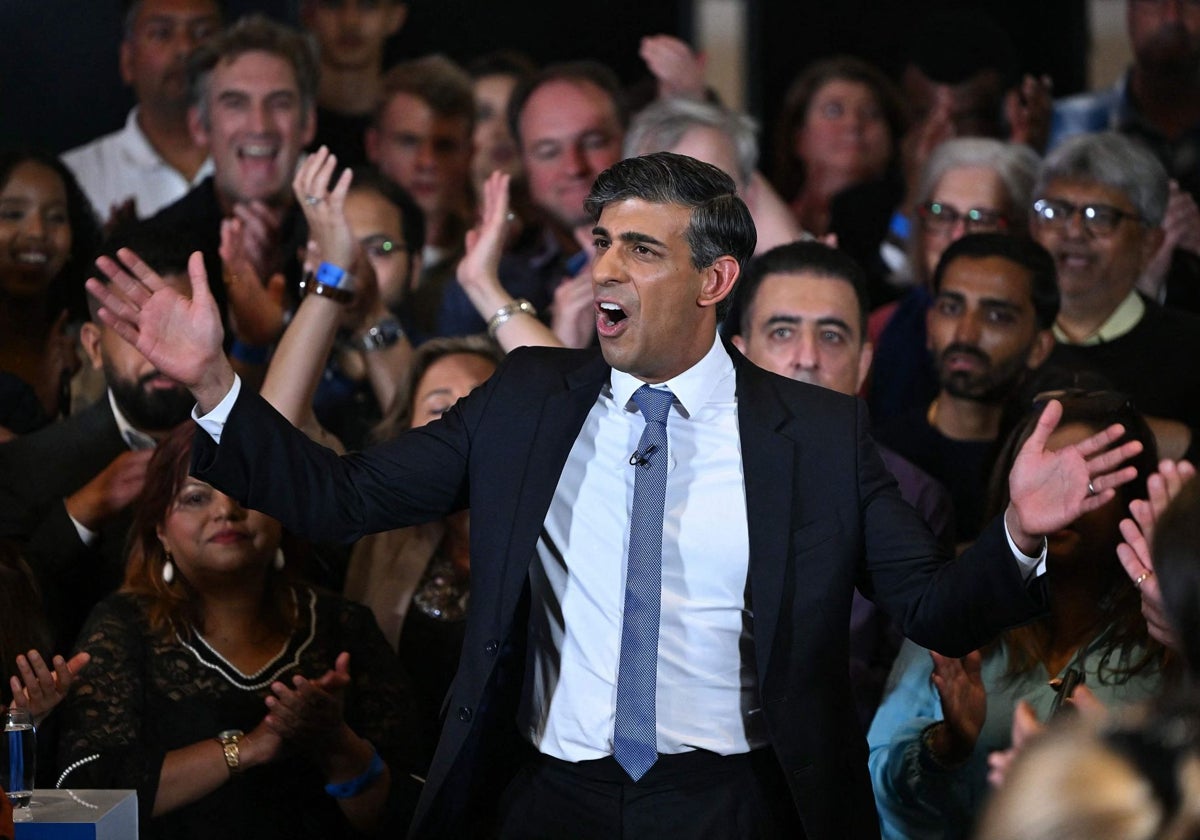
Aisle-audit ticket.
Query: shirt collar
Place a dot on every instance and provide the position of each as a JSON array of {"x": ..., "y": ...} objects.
[
  {"x": 143, "y": 155},
  {"x": 133, "y": 438},
  {"x": 1123, "y": 319},
  {"x": 693, "y": 388}
]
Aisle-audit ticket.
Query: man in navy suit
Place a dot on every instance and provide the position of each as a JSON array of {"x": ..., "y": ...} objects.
[{"x": 776, "y": 505}]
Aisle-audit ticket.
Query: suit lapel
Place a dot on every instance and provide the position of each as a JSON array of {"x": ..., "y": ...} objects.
[
  {"x": 769, "y": 438},
  {"x": 555, "y": 431}
]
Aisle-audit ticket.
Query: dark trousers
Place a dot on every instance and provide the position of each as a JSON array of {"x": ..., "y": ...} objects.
[{"x": 695, "y": 794}]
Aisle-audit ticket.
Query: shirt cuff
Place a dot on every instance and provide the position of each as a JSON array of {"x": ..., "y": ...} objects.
[
  {"x": 214, "y": 422},
  {"x": 86, "y": 535},
  {"x": 1031, "y": 567}
]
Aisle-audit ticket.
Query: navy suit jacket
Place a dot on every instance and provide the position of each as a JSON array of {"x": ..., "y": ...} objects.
[{"x": 824, "y": 514}]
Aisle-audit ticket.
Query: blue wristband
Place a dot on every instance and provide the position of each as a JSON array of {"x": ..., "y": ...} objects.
[
  {"x": 329, "y": 274},
  {"x": 249, "y": 353},
  {"x": 353, "y": 787}
]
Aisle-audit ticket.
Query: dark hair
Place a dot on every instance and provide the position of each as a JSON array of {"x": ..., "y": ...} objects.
[
  {"x": 22, "y": 623},
  {"x": 1096, "y": 410},
  {"x": 174, "y": 608},
  {"x": 789, "y": 169},
  {"x": 66, "y": 290},
  {"x": 579, "y": 72},
  {"x": 134, "y": 7},
  {"x": 166, "y": 254},
  {"x": 952, "y": 46},
  {"x": 399, "y": 418},
  {"x": 502, "y": 63},
  {"x": 1176, "y": 552},
  {"x": 412, "y": 217},
  {"x": 435, "y": 80},
  {"x": 1043, "y": 277},
  {"x": 796, "y": 258},
  {"x": 720, "y": 223},
  {"x": 254, "y": 33}
]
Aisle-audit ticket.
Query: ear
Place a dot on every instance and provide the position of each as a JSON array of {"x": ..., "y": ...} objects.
[
  {"x": 1043, "y": 345},
  {"x": 397, "y": 17},
  {"x": 90, "y": 335},
  {"x": 125, "y": 62},
  {"x": 309, "y": 128},
  {"x": 196, "y": 127},
  {"x": 739, "y": 343},
  {"x": 865, "y": 356},
  {"x": 719, "y": 279},
  {"x": 1151, "y": 242}
]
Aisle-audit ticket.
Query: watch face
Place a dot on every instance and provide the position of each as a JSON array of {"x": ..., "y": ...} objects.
[{"x": 230, "y": 735}]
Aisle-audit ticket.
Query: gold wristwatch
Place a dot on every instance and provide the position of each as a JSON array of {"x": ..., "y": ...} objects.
[{"x": 229, "y": 740}]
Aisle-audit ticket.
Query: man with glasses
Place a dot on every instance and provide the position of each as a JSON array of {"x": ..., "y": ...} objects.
[{"x": 1099, "y": 206}]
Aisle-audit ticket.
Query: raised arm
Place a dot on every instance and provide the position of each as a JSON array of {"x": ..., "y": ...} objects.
[{"x": 179, "y": 334}]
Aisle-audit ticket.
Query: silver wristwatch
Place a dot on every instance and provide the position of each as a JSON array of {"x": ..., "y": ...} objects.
[{"x": 380, "y": 336}]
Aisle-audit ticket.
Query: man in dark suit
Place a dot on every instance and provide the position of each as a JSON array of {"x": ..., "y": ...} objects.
[
  {"x": 776, "y": 504},
  {"x": 65, "y": 490}
]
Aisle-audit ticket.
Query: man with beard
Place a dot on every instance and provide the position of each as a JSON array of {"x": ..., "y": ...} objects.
[
  {"x": 66, "y": 490},
  {"x": 995, "y": 300}
]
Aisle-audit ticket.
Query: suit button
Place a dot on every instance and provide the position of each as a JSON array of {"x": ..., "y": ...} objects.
[
  {"x": 491, "y": 647},
  {"x": 464, "y": 714}
]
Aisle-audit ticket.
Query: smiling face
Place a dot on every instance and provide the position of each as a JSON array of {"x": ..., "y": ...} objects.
[
  {"x": 808, "y": 327},
  {"x": 570, "y": 133},
  {"x": 983, "y": 328},
  {"x": 845, "y": 131},
  {"x": 445, "y": 382},
  {"x": 210, "y": 537},
  {"x": 426, "y": 153},
  {"x": 1094, "y": 269},
  {"x": 35, "y": 233},
  {"x": 257, "y": 126},
  {"x": 655, "y": 311}
]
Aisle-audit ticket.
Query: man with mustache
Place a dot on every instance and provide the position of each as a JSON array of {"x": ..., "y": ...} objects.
[
  {"x": 66, "y": 490},
  {"x": 995, "y": 300}
]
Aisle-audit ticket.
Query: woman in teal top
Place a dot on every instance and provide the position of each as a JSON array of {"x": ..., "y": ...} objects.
[{"x": 940, "y": 717}]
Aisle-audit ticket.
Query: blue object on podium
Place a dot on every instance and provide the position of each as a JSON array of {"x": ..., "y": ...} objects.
[{"x": 80, "y": 815}]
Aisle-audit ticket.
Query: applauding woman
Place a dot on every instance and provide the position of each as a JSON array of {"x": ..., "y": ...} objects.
[{"x": 232, "y": 698}]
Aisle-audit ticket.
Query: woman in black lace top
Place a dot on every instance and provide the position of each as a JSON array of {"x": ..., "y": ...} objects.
[{"x": 235, "y": 701}]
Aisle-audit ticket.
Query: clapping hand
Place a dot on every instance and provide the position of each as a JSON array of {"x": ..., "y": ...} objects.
[
  {"x": 255, "y": 311},
  {"x": 1028, "y": 109},
  {"x": 37, "y": 688},
  {"x": 679, "y": 70},
  {"x": 1050, "y": 490},
  {"x": 1138, "y": 532},
  {"x": 308, "y": 713},
  {"x": 959, "y": 684},
  {"x": 325, "y": 209}
]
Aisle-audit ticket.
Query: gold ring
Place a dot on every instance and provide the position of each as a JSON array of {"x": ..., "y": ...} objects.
[{"x": 1142, "y": 579}]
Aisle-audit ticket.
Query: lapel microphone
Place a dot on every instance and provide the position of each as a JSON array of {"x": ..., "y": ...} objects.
[{"x": 642, "y": 458}]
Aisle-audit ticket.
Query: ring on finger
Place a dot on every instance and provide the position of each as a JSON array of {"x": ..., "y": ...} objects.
[
  {"x": 310, "y": 200},
  {"x": 1091, "y": 489},
  {"x": 1142, "y": 578}
]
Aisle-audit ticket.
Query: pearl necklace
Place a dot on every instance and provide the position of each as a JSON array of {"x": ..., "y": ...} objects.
[{"x": 234, "y": 676}]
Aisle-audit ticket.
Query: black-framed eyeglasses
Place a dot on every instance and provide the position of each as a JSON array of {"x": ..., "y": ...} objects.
[
  {"x": 1097, "y": 219},
  {"x": 940, "y": 218}
]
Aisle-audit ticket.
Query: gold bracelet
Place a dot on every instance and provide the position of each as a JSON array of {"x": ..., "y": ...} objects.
[{"x": 504, "y": 313}]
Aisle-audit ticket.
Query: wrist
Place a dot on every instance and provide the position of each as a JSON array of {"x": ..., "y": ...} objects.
[
  {"x": 1028, "y": 544},
  {"x": 941, "y": 749},
  {"x": 507, "y": 312}
]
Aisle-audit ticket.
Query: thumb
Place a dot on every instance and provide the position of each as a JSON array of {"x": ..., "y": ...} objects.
[{"x": 275, "y": 288}]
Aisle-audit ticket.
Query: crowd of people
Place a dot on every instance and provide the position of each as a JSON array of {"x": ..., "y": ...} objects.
[{"x": 485, "y": 450}]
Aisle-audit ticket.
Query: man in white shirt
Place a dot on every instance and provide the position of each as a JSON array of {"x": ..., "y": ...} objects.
[
  {"x": 775, "y": 503},
  {"x": 154, "y": 159}
]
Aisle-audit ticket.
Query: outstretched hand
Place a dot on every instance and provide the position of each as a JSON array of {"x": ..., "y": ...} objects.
[
  {"x": 179, "y": 334},
  {"x": 1050, "y": 490},
  {"x": 478, "y": 269}
]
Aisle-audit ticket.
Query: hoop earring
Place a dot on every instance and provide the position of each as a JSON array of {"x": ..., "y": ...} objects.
[{"x": 280, "y": 561}]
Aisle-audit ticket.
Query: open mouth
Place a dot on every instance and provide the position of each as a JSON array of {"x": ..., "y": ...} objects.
[
  {"x": 611, "y": 314},
  {"x": 32, "y": 258},
  {"x": 258, "y": 151}
]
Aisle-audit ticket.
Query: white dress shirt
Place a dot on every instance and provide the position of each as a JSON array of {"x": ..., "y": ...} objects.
[
  {"x": 707, "y": 691},
  {"x": 114, "y": 167}
]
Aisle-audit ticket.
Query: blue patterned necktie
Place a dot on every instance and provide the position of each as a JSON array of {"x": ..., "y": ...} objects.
[{"x": 634, "y": 744}]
